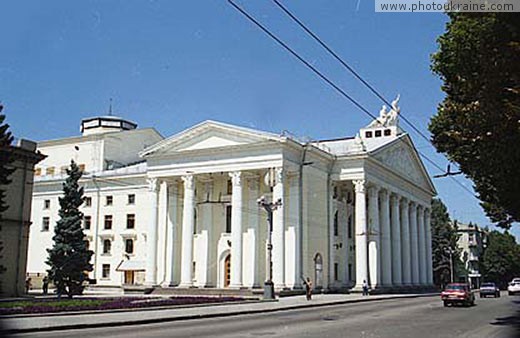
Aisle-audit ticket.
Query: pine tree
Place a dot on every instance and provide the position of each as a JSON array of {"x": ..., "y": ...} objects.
[
  {"x": 5, "y": 171},
  {"x": 69, "y": 258}
]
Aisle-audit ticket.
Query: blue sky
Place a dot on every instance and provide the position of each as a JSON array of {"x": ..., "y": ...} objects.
[{"x": 171, "y": 64}]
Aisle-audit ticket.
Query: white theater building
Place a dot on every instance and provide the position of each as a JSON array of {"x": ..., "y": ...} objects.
[{"x": 183, "y": 211}]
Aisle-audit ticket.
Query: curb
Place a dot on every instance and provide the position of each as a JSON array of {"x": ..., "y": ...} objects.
[{"x": 207, "y": 315}]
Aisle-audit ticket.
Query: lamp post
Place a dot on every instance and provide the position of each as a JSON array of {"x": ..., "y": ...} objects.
[
  {"x": 269, "y": 207},
  {"x": 450, "y": 251}
]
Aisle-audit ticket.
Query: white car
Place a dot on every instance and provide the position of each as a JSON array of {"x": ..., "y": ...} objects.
[{"x": 514, "y": 287}]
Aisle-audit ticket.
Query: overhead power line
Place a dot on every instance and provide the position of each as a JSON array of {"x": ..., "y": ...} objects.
[{"x": 333, "y": 85}]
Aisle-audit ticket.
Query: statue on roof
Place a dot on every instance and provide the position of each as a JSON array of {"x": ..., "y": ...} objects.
[{"x": 395, "y": 107}]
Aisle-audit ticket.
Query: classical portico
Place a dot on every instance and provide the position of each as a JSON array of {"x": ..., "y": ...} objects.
[{"x": 352, "y": 210}]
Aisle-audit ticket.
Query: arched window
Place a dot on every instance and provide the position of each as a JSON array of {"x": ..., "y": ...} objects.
[
  {"x": 318, "y": 270},
  {"x": 107, "y": 245}
]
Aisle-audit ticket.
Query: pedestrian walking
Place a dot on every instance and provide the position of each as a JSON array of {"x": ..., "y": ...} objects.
[
  {"x": 27, "y": 284},
  {"x": 308, "y": 288},
  {"x": 365, "y": 288},
  {"x": 45, "y": 285}
]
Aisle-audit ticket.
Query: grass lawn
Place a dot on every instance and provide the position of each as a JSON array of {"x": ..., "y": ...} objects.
[{"x": 82, "y": 304}]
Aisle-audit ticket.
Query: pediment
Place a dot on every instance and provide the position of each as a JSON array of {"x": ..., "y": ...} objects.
[
  {"x": 208, "y": 135},
  {"x": 401, "y": 157}
]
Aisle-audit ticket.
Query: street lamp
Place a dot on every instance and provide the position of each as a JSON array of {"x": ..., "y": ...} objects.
[{"x": 269, "y": 207}]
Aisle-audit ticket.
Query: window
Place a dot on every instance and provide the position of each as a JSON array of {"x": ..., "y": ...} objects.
[
  {"x": 368, "y": 134},
  {"x": 336, "y": 271},
  {"x": 46, "y": 204},
  {"x": 378, "y": 133},
  {"x": 109, "y": 200},
  {"x": 228, "y": 219},
  {"x": 107, "y": 246},
  {"x": 105, "y": 273},
  {"x": 388, "y": 132},
  {"x": 350, "y": 271},
  {"x": 87, "y": 222},
  {"x": 49, "y": 171},
  {"x": 131, "y": 199},
  {"x": 129, "y": 246},
  {"x": 46, "y": 221},
  {"x": 130, "y": 221},
  {"x": 336, "y": 223},
  {"x": 108, "y": 222},
  {"x": 88, "y": 201},
  {"x": 37, "y": 172},
  {"x": 229, "y": 187},
  {"x": 350, "y": 226}
]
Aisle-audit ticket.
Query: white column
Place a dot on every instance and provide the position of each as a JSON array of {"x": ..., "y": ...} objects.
[
  {"x": 428, "y": 230},
  {"x": 236, "y": 230},
  {"x": 343, "y": 219},
  {"x": 331, "y": 212},
  {"x": 279, "y": 232},
  {"x": 397, "y": 276},
  {"x": 151, "y": 238},
  {"x": 405, "y": 242},
  {"x": 208, "y": 277},
  {"x": 361, "y": 234},
  {"x": 374, "y": 244},
  {"x": 253, "y": 260},
  {"x": 422, "y": 245},
  {"x": 386, "y": 247},
  {"x": 170, "y": 235},
  {"x": 162, "y": 223},
  {"x": 414, "y": 236},
  {"x": 292, "y": 258},
  {"x": 188, "y": 222}
]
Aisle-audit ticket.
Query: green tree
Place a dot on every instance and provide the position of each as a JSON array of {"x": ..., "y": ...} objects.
[
  {"x": 5, "y": 171},
  {"x": 477, "y": 124},
  {"x": 501, "y": 260},
  {"x": 69, "y": 258},
  {"x": 444, "y": 241}
]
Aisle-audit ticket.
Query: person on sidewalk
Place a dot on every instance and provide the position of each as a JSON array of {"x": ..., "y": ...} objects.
[
  {"x": 308, "y": 288},
  {"x": 365, "y": 288},
  {"x": 45, "y": 285},
  {"x": 27, "y": 284}
]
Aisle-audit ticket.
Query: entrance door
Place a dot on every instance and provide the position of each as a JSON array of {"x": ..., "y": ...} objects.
[
  {"x": 129, "y": 277},
  {"x": 227, "y": 271}
]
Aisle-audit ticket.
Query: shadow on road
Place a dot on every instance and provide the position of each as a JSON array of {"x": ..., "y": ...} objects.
[{"x": 512, "y": 321}]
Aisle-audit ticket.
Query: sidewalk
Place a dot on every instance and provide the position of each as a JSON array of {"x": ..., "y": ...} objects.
[{"x": 18, "y": 324}]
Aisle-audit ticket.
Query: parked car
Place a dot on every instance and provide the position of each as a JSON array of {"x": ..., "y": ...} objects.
[
  {"x": 458, "y": 293},
  {"x": 514, "y": 287},
  {"x": 489, "y": 289}
]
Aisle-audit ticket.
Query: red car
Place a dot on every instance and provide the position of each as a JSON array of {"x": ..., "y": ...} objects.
[{"x": 458, "y": 293}]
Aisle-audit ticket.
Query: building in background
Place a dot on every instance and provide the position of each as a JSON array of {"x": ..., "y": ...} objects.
[
  {"x": 472, "y": 241},
  {"x": 15, "y": 223},
  {"x": 183, "y": 211}
]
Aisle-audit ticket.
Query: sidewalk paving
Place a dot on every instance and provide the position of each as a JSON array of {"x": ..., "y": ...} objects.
[{"x": 19, "y": 324}]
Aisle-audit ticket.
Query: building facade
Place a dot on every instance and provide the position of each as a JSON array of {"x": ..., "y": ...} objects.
[
  {"x": 352, "y": 209},
  {"x": 15, "y": 221},
  {"x": 472, "y": 241}
]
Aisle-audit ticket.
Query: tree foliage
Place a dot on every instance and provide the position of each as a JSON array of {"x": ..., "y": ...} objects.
[
  {"x": 444, "y": 240},
  {"x": 501, "y": 260},
  {"x": 69, "y": 258},
  {"x": 478, "y": 123}
]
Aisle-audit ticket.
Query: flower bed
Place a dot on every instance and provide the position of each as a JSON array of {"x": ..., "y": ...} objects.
[{"x": 83, "y": 304}]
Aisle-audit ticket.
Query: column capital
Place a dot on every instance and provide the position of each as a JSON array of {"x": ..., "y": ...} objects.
[
  {"x": 359, "y": 186},
  {"x": 152, "y": 184},
  {"x": 373, "y": 191},
  {"x": 420, "y": 208},
  {"x": 384, "y": 193},
  {"x": 427, "y": 212},
  {"x": 236, "y": 178},
  {"x": 413, "y": 204},
  {"x": 189, "y": 181},
  {"x": 394, "y": 198},
  {"x": 279, "y": 175}
]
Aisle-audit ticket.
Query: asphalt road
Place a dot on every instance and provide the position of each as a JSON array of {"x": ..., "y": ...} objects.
[{"x": 414, "y": 318}]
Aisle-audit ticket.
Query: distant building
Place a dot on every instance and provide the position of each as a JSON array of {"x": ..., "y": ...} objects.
[
  {"x": 183, "y": 211},
  {"x": 15, "y": 223},
  {"x": 472, "y": 241}
]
